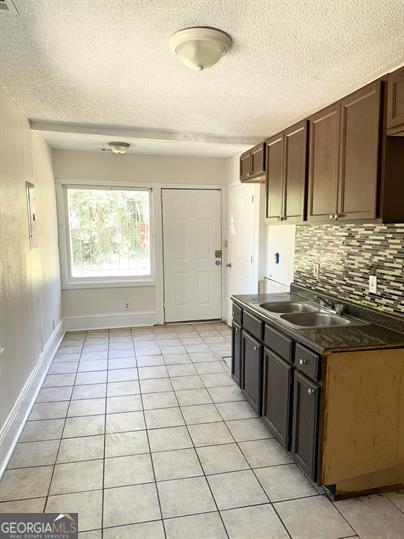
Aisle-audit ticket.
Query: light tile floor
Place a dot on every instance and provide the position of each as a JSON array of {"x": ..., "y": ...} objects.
[{"x": 144, "y": 434}]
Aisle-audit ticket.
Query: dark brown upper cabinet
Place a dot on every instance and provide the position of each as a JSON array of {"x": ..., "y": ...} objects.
[
  {"x": 344, "y": 157},
  {"x": 395, "y": 103},
  {"x": 359, "y": 154},
  {"x": 294, "y": 186},
  {"x": 252, "y": 165},
  {"x": 274, "y": 187},
  {"x": 286, "y": 174},
  {"x": 345, "y": 163},
  {"x": 323, "y": 164}
]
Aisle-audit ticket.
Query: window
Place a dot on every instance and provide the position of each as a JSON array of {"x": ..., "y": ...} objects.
[{"x": 108, "y": 233}]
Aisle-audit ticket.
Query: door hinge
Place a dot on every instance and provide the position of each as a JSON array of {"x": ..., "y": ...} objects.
[{"x": 252, "y": 199}]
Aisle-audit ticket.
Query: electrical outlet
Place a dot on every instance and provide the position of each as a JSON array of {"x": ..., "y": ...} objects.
[
  {"x": 372, "y": 284},
  {"x": 316, "y": 270}
]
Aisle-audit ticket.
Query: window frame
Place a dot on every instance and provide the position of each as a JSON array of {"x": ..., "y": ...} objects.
[{"x": 70, "y": 282}]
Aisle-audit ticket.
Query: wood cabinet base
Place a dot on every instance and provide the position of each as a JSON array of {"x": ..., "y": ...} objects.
[{"x": 363, "y": 427}]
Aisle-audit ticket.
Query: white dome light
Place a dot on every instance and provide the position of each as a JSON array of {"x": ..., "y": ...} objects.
[
  {"x": 200, "y": 47},
  {"x": 119, "y": 147}
]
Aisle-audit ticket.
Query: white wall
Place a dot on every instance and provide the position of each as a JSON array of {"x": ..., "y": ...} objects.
[
  {"x": 29, "y": 280},
  {"x": 104, "y": 307},
  {"x": 106, "y": 166},
  {"x": 280, "y": 239}
]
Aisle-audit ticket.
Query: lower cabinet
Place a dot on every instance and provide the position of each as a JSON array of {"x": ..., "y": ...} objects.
[
  {"x": 252, "y": 370},
  {"x": 236, "y": 359},
  {"x": 305, "y": 424},
  {"x": 277, "y": 385}
]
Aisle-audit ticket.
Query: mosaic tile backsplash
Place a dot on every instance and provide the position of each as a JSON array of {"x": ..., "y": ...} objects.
[{"x": 344, "y": 253}]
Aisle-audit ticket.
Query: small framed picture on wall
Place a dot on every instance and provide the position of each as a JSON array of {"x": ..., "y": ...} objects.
[{"x": 32, "y": 217}]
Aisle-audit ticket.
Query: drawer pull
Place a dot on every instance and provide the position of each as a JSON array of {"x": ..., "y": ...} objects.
[
  {"x": 310, "y": 391},
  {"x": 302, "y": 361}
]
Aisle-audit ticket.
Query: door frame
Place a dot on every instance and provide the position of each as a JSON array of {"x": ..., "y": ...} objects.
[
  {"x": 223, "y": 226},
  {"x": 259, "y": 241}
]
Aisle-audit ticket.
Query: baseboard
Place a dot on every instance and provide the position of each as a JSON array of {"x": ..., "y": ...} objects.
[
  {"x": 12, "y": 427},
  {"x": 111, "y": 320}
]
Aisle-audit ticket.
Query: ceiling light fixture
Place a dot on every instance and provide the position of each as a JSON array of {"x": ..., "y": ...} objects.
[
  {"x": 119, "y": 147},
  {"x": 200, "y": 47}
]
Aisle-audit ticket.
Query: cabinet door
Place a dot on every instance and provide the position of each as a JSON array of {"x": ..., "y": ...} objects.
[
  {"x": 359, "y": 154},
  {"x": 304, "y": 430},
  {"x": 276, "y": 395},
  {"x": 245, "y": 166},
  {"x": 295, "y": 172},
  {"x": 323, "y": 164},
  {"x": 395, "y": 101},
  {"x": 258, "y": 159},
  {"x": 252, "y": 371},
  {"x": 274, "y": 182},
  {"x": 236, "y": 365}
]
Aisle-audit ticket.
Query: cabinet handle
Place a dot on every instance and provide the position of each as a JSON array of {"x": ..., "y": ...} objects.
[
  {"x": 302, "y": 361},
  {"x": 256, "y": 348},
  {"x": 310, "y": 391},
  {"x": 236, "y": 330},
  {"x": 331, "y": 216}
]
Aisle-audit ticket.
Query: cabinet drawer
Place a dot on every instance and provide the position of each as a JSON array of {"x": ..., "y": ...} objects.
[
  {"x": 279, "y": 343},
  {"x": 237, "y": 314},
  {"x": 307, "y": 362},
  {"x": 253, "y": 325}
]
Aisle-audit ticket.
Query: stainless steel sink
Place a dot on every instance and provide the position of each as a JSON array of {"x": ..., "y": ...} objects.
[
  {"x": 315, "y": 319},
  {"x": 288, "y": 307}
]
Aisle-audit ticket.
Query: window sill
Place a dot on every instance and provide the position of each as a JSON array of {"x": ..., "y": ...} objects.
[{"x": 116, "y": 283}]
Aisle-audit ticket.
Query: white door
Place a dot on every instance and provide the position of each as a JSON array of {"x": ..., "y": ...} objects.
[
  {"x": 192, "y": 232},
  {"x": 243, "y": 273}
]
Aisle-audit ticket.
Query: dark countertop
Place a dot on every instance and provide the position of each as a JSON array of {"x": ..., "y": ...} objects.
[{"x": 324, "y": 339}]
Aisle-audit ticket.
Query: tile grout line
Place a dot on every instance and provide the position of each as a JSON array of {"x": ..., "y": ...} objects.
[
  {"x": 61, "y": 434},
  {"x": 259, "y": 482},
  {"x": 105, "y": 437},
  {"x": 203, "y": 471},
  {"x": 148, "y": 443}
]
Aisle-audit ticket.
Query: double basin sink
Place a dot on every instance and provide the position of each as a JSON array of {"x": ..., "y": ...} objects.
[{"x": 307, "y": 315}]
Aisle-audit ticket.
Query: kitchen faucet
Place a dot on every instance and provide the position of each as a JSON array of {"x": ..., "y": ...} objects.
[{"x": 337, "y": 308}]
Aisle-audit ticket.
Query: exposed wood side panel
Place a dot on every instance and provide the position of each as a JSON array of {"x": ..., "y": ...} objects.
[{"x": 363, "y": 437}]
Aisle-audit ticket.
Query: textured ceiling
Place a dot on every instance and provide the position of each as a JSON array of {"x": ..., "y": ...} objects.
[{"x": 108, "y": 61}]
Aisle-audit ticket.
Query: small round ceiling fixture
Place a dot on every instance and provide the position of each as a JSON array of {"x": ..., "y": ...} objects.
[
  {"x": 119, "y": 147},
  {"x": 200, "y": 47}
]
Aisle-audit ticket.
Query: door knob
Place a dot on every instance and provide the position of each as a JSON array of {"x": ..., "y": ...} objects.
[
  {"x": 217, "y": 262},
  {"x": 228, "y": 265}
]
